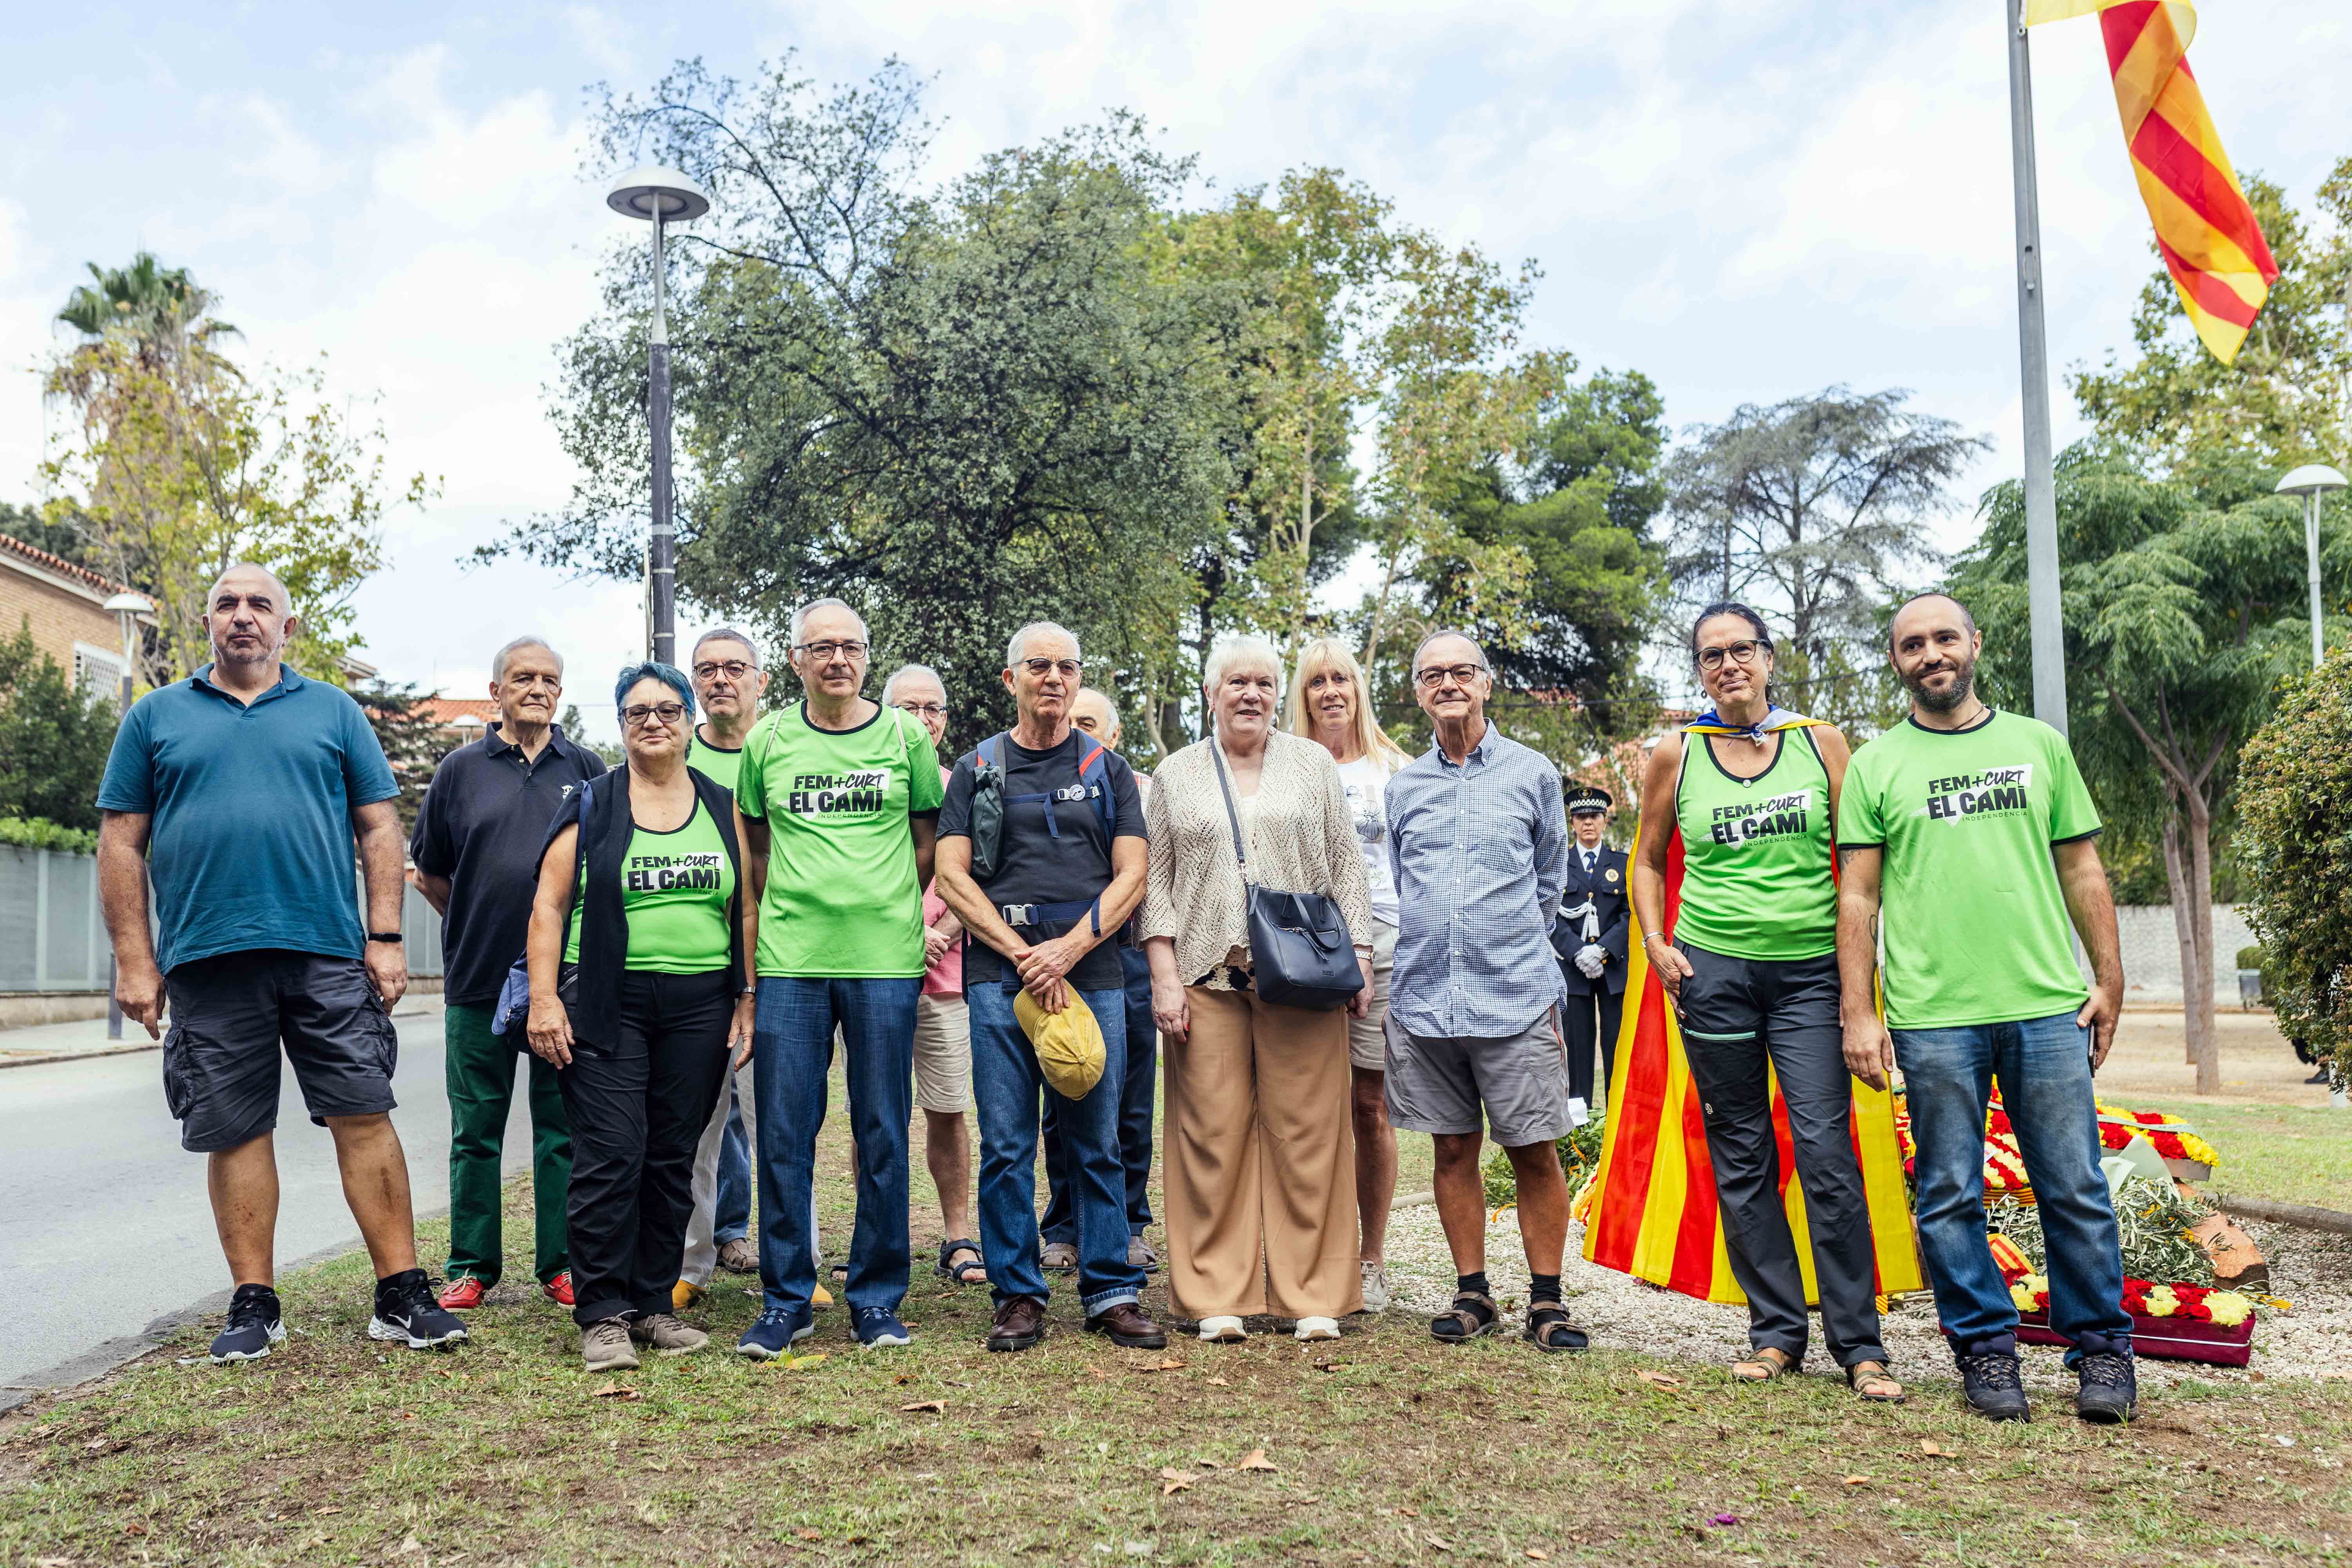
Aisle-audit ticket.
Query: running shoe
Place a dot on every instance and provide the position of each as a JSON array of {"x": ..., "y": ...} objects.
[
  {"x": 773, "y": 1333},
  {"x": 253, "y": 1326},
  {"x": 407, "y": 1313},
  {"x": 878, "y": 1326}
]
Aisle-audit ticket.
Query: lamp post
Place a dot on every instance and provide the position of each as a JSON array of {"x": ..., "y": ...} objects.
[
  {"x": 663, "y": 197},
  {"x": 2311, "y": 481},
  {"x": 127, "y": 607},
  {"x": 2049, "y": 634}
]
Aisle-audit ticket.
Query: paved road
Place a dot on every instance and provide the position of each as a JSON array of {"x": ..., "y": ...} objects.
[{"x": 103, "y": 1221}]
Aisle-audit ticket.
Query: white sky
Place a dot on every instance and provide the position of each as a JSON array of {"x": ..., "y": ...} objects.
[{"x": 1745, "y": 201}]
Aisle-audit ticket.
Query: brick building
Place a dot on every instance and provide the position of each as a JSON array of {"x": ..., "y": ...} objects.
[{"x": 65, "y": 605}]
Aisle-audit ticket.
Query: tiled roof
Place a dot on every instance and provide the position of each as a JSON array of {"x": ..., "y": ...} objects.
[
  {"x": 98, "y": 580},
  {"x": 458, "y": 710}
]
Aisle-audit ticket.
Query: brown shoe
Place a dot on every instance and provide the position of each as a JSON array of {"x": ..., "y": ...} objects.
[
  {"x": 1128, "y": 1328},
  {"x": 604, "y": 1346},
  {"x": 739, "y": 1256},
  {"x": 1019, "y": 1323}
]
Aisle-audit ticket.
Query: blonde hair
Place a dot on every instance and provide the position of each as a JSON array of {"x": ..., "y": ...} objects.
[{"x": 1330, "y": 653}]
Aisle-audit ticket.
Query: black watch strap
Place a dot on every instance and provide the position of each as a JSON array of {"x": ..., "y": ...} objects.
[{"x": 386, "y": 936}]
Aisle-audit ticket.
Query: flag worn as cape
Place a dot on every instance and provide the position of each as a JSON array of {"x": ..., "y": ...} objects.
[
  {"x": 1655, "y": 1214},
  {"x": 2205, "y": 229}
]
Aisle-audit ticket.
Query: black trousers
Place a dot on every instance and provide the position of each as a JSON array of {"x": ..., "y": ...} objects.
[
  {"x": 1583, "y": 1033},
  {"x": 638, "y": 1106},
  {"x": 1741, "y": 1017}
]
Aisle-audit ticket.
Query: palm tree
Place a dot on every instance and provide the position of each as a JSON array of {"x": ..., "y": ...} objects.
[{"x": 163, "y": 311}]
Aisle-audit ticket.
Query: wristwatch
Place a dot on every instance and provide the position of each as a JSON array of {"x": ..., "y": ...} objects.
[{"x": 384, "y": 936}]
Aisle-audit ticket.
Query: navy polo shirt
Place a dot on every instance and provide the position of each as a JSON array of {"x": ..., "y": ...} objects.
[
  {"x": 482, "y": 826},
  {"x": 251, "y": 843}
]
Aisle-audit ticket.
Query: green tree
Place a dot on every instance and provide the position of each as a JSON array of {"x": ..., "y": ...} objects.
[
  {"x": 62, "y": 535},
  {"x": 2182, "y": 607},
  {"x": 2296, "y": 799},
  {"x": 54, "y": 739},
  {"x": 412, "y": 742},
  {"x": 1813, "y": 510}
]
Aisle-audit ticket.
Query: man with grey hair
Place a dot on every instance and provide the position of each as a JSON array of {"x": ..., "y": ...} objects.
[
  {"x": 475, "y": 847},
  {"x": 1478, "y": 842}
]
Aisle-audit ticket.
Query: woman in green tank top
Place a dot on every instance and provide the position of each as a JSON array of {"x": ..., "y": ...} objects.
[
  {"x": 1749, "y": 959},
  {"x": 638, "y": 996}
]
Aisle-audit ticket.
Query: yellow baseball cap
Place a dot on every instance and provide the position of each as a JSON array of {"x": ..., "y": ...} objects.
[{"x": 1069, "y": 1043}]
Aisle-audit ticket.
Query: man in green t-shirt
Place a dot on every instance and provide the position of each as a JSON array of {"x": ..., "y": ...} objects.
[
  {"x": 837, "y": 802},
  {"x": 1974, "y": 828}
]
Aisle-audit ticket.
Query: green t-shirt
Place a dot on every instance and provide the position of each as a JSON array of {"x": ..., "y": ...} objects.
[
  {"x": 1755, "y": 854},
  {"x": 842, "y": 902},
  {"x": 674, "y": 891},
  {"x": 1975, "y": 923},
  {"x": 717, "y": 765}
]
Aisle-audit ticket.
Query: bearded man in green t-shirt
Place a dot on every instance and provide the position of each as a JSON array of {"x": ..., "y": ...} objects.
[
  {"x": 837, "y": 802},
  {"x": 1973, "y": 826}
]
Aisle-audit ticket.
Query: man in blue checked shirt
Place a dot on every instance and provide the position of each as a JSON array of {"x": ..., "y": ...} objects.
[{"x": 1478, "y": 839}]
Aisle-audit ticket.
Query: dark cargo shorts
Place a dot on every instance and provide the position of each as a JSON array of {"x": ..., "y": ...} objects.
[{"x": 230, "y": 1014}]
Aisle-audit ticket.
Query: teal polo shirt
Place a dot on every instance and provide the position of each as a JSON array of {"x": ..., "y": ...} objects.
[{"x": 250, "y": 844}]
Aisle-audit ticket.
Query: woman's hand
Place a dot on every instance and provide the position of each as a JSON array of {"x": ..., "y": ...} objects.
[
  {"x": 1169, "y": 1010},
  {"x": 739, "y": 1033},
  {"x": 1672, "y": 966},
  {"x": 935, "y": 946},
  {"x": 549, "y": 1030},
  {"x": 1360, "y": 1005}
]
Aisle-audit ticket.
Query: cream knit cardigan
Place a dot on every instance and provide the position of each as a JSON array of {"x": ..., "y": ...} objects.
[{"x": 1303, "y": 841}]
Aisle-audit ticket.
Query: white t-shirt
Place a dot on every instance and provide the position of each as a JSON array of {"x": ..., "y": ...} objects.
[{"x": 1367, "y": 781}]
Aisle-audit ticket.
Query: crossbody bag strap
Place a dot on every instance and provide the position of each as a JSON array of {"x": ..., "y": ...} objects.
[
  {"x": 580, "y": 880},
  {"x": 1216, "y": 757}
]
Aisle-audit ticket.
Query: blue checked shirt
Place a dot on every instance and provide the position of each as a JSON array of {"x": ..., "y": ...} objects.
[{"x": 1480, "y": 854}]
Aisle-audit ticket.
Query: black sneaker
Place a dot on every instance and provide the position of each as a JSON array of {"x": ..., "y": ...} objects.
[
  {"x": 408, "y": 1314},
  {"x": 253, "y": 1326},
  {"x": 1989, "y": 1382},
  {"x": 2110, "y": 1390}
]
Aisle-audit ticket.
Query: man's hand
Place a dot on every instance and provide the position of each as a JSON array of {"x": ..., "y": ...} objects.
[
  {"x": 2100, "y": 1011},
  {"x": 739, "y": 1031},
  {"x": 1048, "y": 962},
  {"x": 387, "y": 971},
  {"x": 936, "y": 944},
  {"x": 549, "y": 1031},
  {"x": 1672, "y": 966},
  {"x": 139, "y": 989},
  {"x": 1591, "y": 959},
  {"x": 1869, "y": 1049}
]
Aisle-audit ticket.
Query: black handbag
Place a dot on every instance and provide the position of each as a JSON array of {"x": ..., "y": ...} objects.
[{"x": 1299, "y": 951}]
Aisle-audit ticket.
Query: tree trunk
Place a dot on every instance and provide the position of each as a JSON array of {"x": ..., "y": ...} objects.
[
  {"x": 2176, "y": 878},
  {"x": 2198, "y": 1004}
]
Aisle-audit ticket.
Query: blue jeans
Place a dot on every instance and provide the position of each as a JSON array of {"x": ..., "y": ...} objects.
[
  {"x": 792, "y": 1049},
  {"x": 1006, "y": 1085},
  {"x": 1135, "y": 1102},
  {"x": 732, "y": 1211},
  {"x": 2044, "y": 1068}
]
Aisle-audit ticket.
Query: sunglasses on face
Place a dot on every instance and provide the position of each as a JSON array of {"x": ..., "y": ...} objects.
[
  {"x": 665, "y": 714},
  {"x": 1040, "y": 667}
]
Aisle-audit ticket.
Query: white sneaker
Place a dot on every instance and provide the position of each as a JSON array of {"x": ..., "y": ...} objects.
[
  {"x": 1376, "y": 1287},
  {"x": 1316, "y": 1329},
  {"x": 1577, "y": 1113},
  {"x": 1223, "y": 1331}
]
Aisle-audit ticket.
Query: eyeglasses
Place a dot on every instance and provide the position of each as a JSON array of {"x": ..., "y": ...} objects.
[
  {"x": 826, "y": 652},
  {"x": 1040, "y": 667},
  {"x": 1438, "y": 675},
  {"x": 1740, "y": 653},
  {"x": 926, "y": 709},
  {"x": 665, "y": 714},
  {"x": 733, "y": 669}
]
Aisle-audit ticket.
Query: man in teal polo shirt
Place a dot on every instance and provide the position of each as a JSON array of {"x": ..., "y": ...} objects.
[{"x": 241, "y": 791}]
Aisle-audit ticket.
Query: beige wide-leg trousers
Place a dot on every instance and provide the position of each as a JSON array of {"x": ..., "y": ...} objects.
[{"x": 1258, "y": 1161}]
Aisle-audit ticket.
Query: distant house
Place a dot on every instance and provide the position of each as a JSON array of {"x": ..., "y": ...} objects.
[
  {"x": 460, "y": 720},
  {"x": 65, "y": 605}
]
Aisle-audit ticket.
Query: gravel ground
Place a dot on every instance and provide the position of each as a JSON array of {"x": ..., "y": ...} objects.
[{"x": 2310, "y": 1269}]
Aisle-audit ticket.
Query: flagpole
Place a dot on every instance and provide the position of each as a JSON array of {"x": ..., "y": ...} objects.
[{"x": 2034, "y": 357}]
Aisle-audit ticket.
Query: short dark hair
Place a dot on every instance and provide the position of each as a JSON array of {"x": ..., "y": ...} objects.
[
  {"x": 1729, "y": 607},
  {"x": 1967, "y": 619},
  {"x": 669, "y": 675}
]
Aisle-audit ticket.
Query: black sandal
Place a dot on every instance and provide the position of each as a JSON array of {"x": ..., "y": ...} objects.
[
  {"x": 1460, "y": 1322},
  {"x": 972, "y": 1273},
  {"x": 1548, "y": 1328}
]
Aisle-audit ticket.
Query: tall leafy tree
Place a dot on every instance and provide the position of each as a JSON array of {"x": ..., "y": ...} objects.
[
  {"x": 2297, "y": 804},
  {"x": 54, "y": 739},
  {"x": 410, "y": 740},
  {"x": 1813, "y": 510},
  {"x": 2182, "y": 607}
]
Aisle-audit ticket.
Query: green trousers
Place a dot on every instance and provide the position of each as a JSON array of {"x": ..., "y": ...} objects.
[{"x": 482, "y": 1074}]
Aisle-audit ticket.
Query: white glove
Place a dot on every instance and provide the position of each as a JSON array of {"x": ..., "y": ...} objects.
[{"x": 1591, "y": 960}]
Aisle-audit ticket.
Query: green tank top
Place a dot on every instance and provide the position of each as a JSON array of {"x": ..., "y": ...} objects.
[
  {"x": 675, "y": 888},
  {"x": 1755, "y": 854}
]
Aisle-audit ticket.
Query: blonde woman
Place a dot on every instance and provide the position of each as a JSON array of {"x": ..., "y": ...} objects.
[
  {"x": 1257, "y": 1151},
  {"x": 1330, "y": 703}
]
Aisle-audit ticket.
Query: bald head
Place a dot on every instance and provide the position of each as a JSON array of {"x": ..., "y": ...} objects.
[
  {"x": 250, "y": 617},
  {"x": 1923, "y": 608},
  {"x": 254, "y": 569}
]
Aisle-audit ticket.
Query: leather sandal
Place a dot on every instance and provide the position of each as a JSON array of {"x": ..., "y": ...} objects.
[
  {"x": 1766, "y": 1365},
  {"x": 1548, "y": 1328},
  {"x": 1459, "y": 1324},
  {"x": 1862, "y": 1374}
]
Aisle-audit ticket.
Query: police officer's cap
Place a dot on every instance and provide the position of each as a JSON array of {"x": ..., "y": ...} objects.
[{"x": 1584, "y": 798}]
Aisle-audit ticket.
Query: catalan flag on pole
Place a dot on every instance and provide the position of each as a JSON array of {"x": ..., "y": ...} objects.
[
  {"x": 2204, "y": 228},
  {"x": 1655, "y": 1214}
]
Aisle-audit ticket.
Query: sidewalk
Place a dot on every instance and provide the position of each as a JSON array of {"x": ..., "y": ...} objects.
[
  {"x": 87, "y": 1038},
  {"x": 2258, "y": 1063}
]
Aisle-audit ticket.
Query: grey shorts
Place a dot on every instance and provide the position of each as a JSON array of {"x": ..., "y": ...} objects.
[
  {"x": 1515, "y": 1088},
  {"x": 230, "y": 1015},
  {"x": 942, "y": 1053}
]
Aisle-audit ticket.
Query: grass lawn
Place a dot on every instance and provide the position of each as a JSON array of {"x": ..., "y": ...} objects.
[
  {"x": 2292, "y": 1154},
  {"x": 1383, "y": 1449}
]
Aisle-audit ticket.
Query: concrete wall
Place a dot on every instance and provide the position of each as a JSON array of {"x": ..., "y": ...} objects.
[{"x": 2152, "y": 953}]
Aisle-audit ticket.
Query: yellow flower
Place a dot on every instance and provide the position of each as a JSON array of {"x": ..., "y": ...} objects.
[
  {"x": 2196, "y": 1148},
  {"x": 2027, "y": 1292},
  {"x": 2162, "y": 1302},
  {"x": 2229, "y": 1308}
]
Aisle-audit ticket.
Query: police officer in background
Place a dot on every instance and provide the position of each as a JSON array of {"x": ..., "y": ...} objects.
[{"x": 1590, "y": 936}]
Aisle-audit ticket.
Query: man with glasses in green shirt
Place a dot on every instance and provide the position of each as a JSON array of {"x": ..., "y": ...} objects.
[{"x": 1973, "y": 827}]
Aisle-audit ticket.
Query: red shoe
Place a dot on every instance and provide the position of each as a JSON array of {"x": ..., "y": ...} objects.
[
  {"x": 559, "y": 1290},
  {"x": 463, "y": 1294}
]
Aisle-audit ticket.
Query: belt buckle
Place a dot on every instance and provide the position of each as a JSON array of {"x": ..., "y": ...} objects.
[{"x": 1018, "y": 914}]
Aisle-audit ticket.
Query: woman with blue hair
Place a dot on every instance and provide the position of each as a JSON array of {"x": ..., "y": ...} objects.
[{"x": 638, "y": 996}]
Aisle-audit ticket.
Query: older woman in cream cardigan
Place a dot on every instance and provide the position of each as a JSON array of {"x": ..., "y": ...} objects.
[{"x": 1258, "y": 1161}]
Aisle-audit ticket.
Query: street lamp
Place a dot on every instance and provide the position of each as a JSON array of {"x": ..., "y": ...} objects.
[
  {"x": 2311, "y": 481},
  {"x": 127, "y": 607},
  {"x": 663, "y": 197}
]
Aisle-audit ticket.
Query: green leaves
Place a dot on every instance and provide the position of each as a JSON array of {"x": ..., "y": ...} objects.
[{"x": 2295, "y": 807}]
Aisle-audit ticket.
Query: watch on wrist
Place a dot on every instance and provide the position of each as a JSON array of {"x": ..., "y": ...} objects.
[{"x": 384, "y": 936}]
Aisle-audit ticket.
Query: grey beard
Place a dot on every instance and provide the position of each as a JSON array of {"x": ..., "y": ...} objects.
[{"x": 1950, "y": 700}]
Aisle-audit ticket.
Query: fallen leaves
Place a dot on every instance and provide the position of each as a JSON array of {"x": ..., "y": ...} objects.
[
  {"x": 1256, "y": 1460},
  {"x": 1857, "y": 1481},
  {"x": 1171, "y": 1364},
  {"x": 811, "y": 1534},
  {"x": 1935, "y": 1450},
  {"x": 936, "y": 1406},
  {"x": 1660, "y": 1379},
  {"x": 616, "y": 1392},
  {"x": 795, "y": 1363},
  {"x": 1539, "y": 1553},
  {"x": 1176, "y": 1480},
  {"x": 1436, "y": 1542},
  {"x": 1219, "y": 1383}
]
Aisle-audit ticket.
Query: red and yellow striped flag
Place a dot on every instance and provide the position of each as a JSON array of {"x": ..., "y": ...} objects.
[
  {"x": 2211, "y": 244},
  {"x": 1655, "y": 1214}
]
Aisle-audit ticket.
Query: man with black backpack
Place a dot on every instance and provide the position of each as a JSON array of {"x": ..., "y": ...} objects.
[{"x": 1041, "y": 855}]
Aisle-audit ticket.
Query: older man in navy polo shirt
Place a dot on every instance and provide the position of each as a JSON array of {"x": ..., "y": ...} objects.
[{"x": 242, "y": 790}]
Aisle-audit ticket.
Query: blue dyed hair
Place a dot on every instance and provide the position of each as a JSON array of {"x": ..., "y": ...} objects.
[{"x": 669, "y": 675}]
